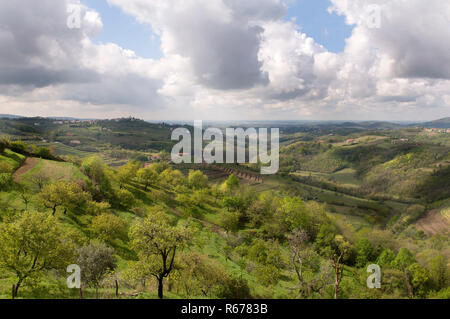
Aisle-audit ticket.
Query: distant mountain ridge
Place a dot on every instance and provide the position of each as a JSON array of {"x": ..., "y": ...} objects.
[
  {"x": 441, "y": 123},
  {"x": 10, "y": 116}
]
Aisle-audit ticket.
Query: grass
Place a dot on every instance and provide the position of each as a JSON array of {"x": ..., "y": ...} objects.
[
  {"x": 55, "y": 170},
  {"x": 14, "y": 160}
]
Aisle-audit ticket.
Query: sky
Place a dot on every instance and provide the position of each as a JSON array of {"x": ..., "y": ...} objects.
[{"x": 226, "y": 59}]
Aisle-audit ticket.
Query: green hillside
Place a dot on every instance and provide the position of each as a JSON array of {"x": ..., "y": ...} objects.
[{"x": 195, "y": 231}]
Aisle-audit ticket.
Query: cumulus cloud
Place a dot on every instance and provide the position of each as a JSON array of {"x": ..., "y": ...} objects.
[{"x": 228, "y": 58}]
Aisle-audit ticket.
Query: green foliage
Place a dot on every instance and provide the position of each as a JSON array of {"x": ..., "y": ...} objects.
[
  {"x": 386, "y": 258},
  {"x": 156, "y": 242},
  {"x": 364, "y": 252},
  {"x": 108, "y": 227},
  {"x": 32, "y": 244},
  {"x": 127, "y": 173},
  {"x": 147, "y": 176},
  {"x": 125, "y": 198},
  {"x": 6, "y": 181},
  {"x": 96, "y": 262},
  {"x": 419, "y": 279},
  {"x": 67, "y": 195},
  {"x": 197, "y": 179},
  {"x": 439, "y": 272}
]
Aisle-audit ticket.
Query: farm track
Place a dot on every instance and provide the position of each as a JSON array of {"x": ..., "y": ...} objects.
[{"x": 28, "y": 165}]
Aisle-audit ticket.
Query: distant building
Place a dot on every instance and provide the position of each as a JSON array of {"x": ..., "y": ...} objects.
[
  {"x": 75, "y": 142},
  {"x": 350, "y": 141}
]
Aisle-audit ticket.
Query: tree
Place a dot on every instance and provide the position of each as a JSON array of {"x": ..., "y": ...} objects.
[
  {"x": 232, "y": 183},
  {"x": 402, "y": 261},
  {"x": 6, "y": 181},
  {"x": 156, "y": 242},
  {"x": 97, "y": 171},
  {"x": 40, "y": 179},
  {"x": 338, "y": 252},
  {"x": 364, "y": 252},
  {"x": 439, "y": 272},
  {"x": 127, "y": 172},
  {"x": 229, "y": 221},
  {"x": 44, "y": 152},
  {"x": 34, "y": 243},
  {"x": 147, "y": 176},
  {"x": 5, "y": 168},
  {"x": 197, "y": 179},
  {"x": 96, "y": 262},
  {"x": 386, "y": 258},
  {"x": 67, "y": 195},
  {"x": 419, "y": 279},
  {"x": 4, "y": 144},
  {"x": 126, "y": 198},
  {"x": 298, "y": 241},
  {"x": 108, "y": 227}
]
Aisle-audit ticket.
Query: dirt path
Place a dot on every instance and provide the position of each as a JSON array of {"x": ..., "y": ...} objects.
[{"x": 28, "y": 165}]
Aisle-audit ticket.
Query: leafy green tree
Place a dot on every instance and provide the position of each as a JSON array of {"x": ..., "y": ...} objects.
[
  {"x": 386, "y": 258},
  {"x": 198, "y": 275},
  {"x": 197, "y": 179},
  {"x": 6, "y": 181},
  {"x": 364, "y": 252},
  {"x": 100, "y": 182},
  {"x": 439, "y": 272},
  {"x": 18, "y": 146},
  {"x": 402, "y": 261},
  {"x": 40, "y": 179},
  {"x": 96, "y": 262},
  {"x": 67, "y": 195},
  {"x": 126, "y": 198},
  {"x": 4, "y": 144},
  {"x": 127, "y": 173},
  {"x": 44, "y": 152},
  {"x": 96, "y": 208},
  {"x": 5, "y": 168},
  {"x": 232, "y": 184},
  {"x": 419, "y": 280},
  {"x": 172, "y": 178},
  {"x": 32, "y": 244},
  {"x": 147, "y": 176},
  {"x": 156, "y": 242},
  {"x": 108, "y": 227},
  {"x": 229, "y": 221}
]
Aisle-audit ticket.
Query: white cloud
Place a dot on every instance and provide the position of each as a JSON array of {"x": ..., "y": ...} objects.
[{"x": 227, "y": 59}]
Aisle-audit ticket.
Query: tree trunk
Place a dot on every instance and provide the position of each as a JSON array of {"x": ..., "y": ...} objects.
[
  {"x": 13, "y": 291},
  {"x": 160, "y": 287},
  {"x": 54, "y": 210},
  {"x": 336, "y": 288},
  {"x": 117, "y": 288},
  {"x": 17, "y": 286},
  {"x": 408, "y": 285}
]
